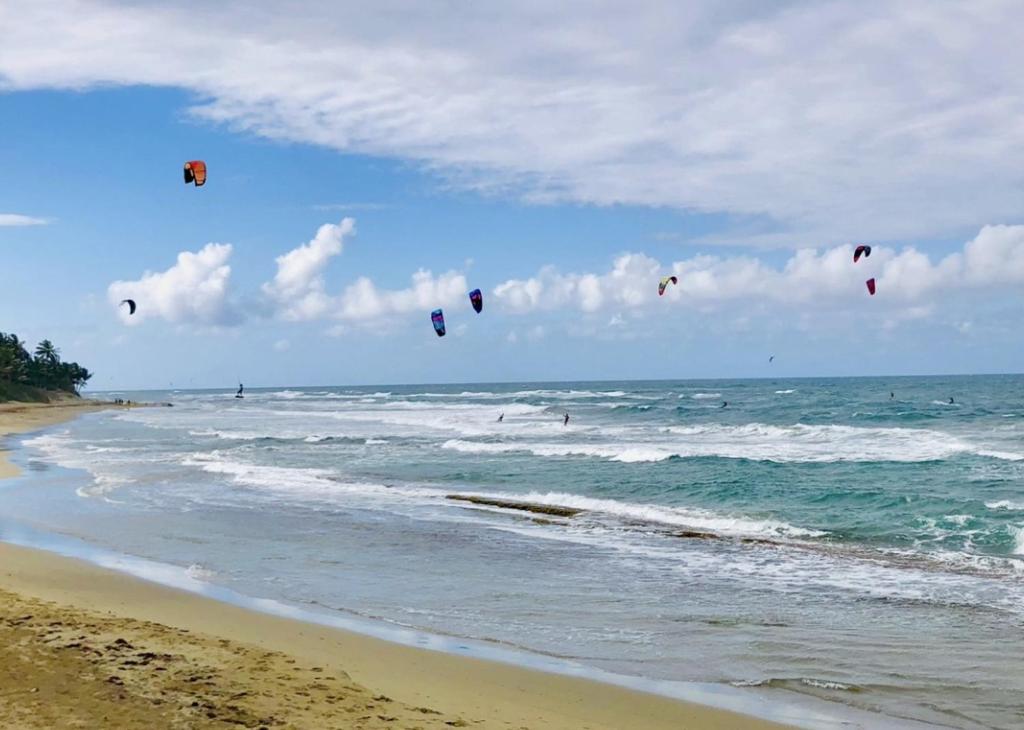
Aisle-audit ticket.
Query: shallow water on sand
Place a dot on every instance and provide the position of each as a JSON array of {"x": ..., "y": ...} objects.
[{"x": 815, "y": 536}]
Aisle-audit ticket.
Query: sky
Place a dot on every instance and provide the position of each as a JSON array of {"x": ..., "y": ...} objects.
[{"x": 370, "y": 164}]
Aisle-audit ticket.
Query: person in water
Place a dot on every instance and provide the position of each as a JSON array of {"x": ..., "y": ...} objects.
[
  {"x": 891, "y": 395},
  {"x": 951, "y": 401},
  {"x": 501, "y": 418},
  {"x": 566, "y": 421},
  {"x": 725, "y": 404}
]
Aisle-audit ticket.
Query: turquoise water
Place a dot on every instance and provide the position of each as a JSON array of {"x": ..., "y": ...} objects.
[{"x": 814, "y": 537}]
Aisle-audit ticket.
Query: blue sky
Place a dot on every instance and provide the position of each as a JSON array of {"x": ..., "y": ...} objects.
[{"x": 565, "y": 209}]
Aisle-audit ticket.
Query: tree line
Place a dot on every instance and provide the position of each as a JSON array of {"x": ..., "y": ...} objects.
[{"x": 44, "y": 369}]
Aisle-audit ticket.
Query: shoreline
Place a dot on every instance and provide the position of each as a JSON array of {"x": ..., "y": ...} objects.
[
  {"x": 17, "y": 418},
  {"x": 253, "y": 663}
]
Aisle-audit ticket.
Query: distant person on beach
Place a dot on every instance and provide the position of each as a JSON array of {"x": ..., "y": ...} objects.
[
  {"x": 501, "y": 418},
  {"x": 566, "y": 421}
]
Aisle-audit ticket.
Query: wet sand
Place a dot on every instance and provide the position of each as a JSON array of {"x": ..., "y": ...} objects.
[{"x": 82, "y": 646}]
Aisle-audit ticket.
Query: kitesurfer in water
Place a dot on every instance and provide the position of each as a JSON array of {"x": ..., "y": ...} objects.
[
  {"x": 566, "y": 421},
  {"x": 725, "y": 404},
  {"x": 891, "y": 395},
  {"x": 501, "y": 418},
  {"x": 951, "y": 401}
]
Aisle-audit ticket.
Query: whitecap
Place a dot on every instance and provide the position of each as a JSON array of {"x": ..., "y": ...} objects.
[
  {"x": 825, "y": 684},
  {"x": 198, "y": 572},
  {"x": 1017, "y": 532},
  {"x": 1006, "y": 504}
]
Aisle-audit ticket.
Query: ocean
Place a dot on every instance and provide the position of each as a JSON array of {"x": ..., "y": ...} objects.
[{"x": 815, "y": 539}]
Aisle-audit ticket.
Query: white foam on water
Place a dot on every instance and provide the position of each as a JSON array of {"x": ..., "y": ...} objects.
[
  {"x": 101, "y": 486},
  {"x": 785, "y": 392},
  {"x": 539, "y": 393},
  {"x": 288, "y": 394},
  {"x": 69, "y": 453},
  {"x": 824, "y": 443},
  {"x": 231, "y": 435},
  {"x": 1006, "y": 504},
  {"x": 634, "y": 406},
  {"x": 755, "y": 441},
  {"x": 704, "y": 396},
  {"x": 470, "y": 394},
  {"x": 967, "y": 562},
  {"x": 199, "y": 573},
  {"x": 1017, "y": 532},
  {"x": 825, "y": 684},
  {"x": 301, "y": 483},
  {"x": 315, "y": 482},
  {"x": 351, "y": 419},
  {"x": 1004, "y": 455},
  {"x": 675, "y": 516},
  {"x": 627, "y": 454},
  {"x": 960, "y": 520}
]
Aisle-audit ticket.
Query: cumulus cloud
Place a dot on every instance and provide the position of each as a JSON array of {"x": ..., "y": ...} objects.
[
  {"x": 628, "y": 283},
  {"x": 994, "y": 257},
  {"x": 194, "y": 290},
  {"x": 299, "y": 292},
  {"x": 298, "y": 286},
  {"x": 363, "y": 300},
  {"x": 14, "y": 219},
  {"x": 828, "y": 121}
]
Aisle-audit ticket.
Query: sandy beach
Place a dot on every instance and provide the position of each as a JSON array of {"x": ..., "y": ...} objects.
[{"x": 82, "y": 646}]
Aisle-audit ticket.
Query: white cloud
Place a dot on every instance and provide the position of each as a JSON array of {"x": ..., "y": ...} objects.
[
  {"x": 195, "y": 290},
  {"x": 14, "y": 219},
  {"x": 300, "y": 293},
  {"x": 995, "y": 256},
  {"x": 362, "y": 300},
  {"x": 906, "y": 277},
  {"x": 837, "y": 120},
  {"x": 627, "y": 284},
  {"x": 298, "y": 286}
]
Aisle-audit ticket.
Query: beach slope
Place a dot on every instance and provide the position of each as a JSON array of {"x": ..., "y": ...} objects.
[{"x": 82, "y": 646}]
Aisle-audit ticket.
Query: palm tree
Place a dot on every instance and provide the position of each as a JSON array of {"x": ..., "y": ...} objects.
[
  {"x": 46, "y": 352},
  {"x": 14, "y": 358},
  {"x": 45, "y": 370}
]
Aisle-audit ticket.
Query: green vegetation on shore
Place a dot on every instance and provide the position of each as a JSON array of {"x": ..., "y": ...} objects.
[{"x": 24, "y": 377}]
